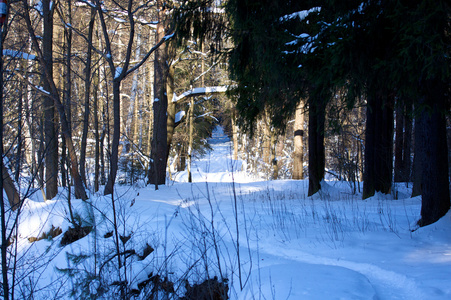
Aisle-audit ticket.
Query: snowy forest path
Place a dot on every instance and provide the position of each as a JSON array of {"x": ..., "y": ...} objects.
[{"x": 217, "y": 165}]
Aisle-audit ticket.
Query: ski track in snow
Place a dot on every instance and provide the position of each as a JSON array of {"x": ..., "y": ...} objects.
[{"x": 387, "y": 284}]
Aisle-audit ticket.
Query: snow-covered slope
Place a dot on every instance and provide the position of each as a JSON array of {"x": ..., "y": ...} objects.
[{"x": 267, "y": 238}]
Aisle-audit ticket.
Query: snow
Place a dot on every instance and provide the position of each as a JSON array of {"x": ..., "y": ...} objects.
[
  {"x": 201, "y": 91},
  {"x": 267, "y": 237},
  {"x": 167, "y": 37},
  {"x": 179, "y": 116},
  {"x": 40, "y": 88},
  {"x": 18, "y": 54},
  {"x": 82, "y": 3},
  {"x": 118, "y": 72},
  {"x": 300, "y": 14}
]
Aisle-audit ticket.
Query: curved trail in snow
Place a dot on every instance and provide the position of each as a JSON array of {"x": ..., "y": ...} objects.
[{"x": 388, "y": 284}]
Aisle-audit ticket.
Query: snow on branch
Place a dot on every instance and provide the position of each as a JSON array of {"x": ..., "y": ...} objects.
[
  {"x": 179, "y": 116},
  {"x": 201, "y": 91},
  {"x": 19, "y": 54},
  {"x": 300, "y": 14}
]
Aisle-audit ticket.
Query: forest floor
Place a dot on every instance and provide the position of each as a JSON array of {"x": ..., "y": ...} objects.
[{"x": 267, "y": 238}]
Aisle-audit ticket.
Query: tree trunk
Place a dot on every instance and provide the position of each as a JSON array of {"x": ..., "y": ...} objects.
[
  {"x": 399, "y": 143},
  {"x": 190, "y": 139},
  {"x": 403, "y": 143},
  {"x": 157, "y": 172},
  {"x": 298, "y": 153},
  {"x": 18, "y": 163},
  {"x": 171, "y": 107},
  {"x": 51, "y": 140},
  {"x": 377, "y": 173},
  {"x": 132, "y": 109},
  {"x": 88, "y": 79},
  {"x": 10, "y": 189},
  {"x": 385, "y": 144},
  {"x": 273, "y": 157},
  {"x": 116, "y": 138},
  {"x": 435, "y": 177},
  {"x": 316, "y": 145},
  {"x": 407, "y": 163},
  {"x": 96, "y": 130},
  {"x": 3, "y": 218},
  {"x": 234, "y": 136}
]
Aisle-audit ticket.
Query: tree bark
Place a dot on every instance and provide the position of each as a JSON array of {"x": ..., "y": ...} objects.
[
  {"x": 273, "y": 156},
  {"x": 114, "y": 158},
  {"x": 51, "y": 140},
  {"x": 157, "y": 172},
  {"x": 171, "y": 107},
  {"x": 190, "y": 138},
  {"x": 96, "y": 131},
  {"x": 435, "y": 174},
  {"x": 298, "y": 153},
  {"x": 403, "y": 143},
  {"x": 377, "y": 175},
  {"x": 316, "y": 145},
  {"x": 132, "y": 109},
  {"x": 407, "y": 162},
  {"x": 3, "y": 218},
  {"x": 10, "y": 189},
  {"x": 419, "y": 156},
  {"x": 399, "y": 143},
  {"x": 234, "y": 135},
  {"x": 84, "y": 137}
]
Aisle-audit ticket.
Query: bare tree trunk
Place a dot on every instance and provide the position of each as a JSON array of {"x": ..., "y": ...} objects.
[
  {"x": 96, "y": 131},
  {"x": 88, "y": 79},
  {"x": 116, "y": 138},
  {"x": 10, "y": 189},
  {"x": 273, "y": 157},
  {"x": 140, "y": 130},
  {"x": 190, "y": 141},
  {"x": 377, "y": 174},
  {"x": 407, "y": 162},
  {"x": 3, "y": 219},
  {"x": 316, "y": 145},
  {"x": 399, "y": 143},
  {"x": 132, "y": 109},
  {"x": 157, "y": 173},
  {"x": 18, "y": 164},
  {"x": 150, "y": 96},
  {"x": 67, "y": 104},
  {"x": 435, "y": 177},
  {"x": 51, "y": 140},
  {"x": 234, "y": 136},
  {"x": 171, "y": 107},
  {"x": 298, "y": 153}
]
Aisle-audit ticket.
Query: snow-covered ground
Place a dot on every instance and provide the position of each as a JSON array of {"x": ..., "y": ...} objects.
[{"x": 267, "y": 238}]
